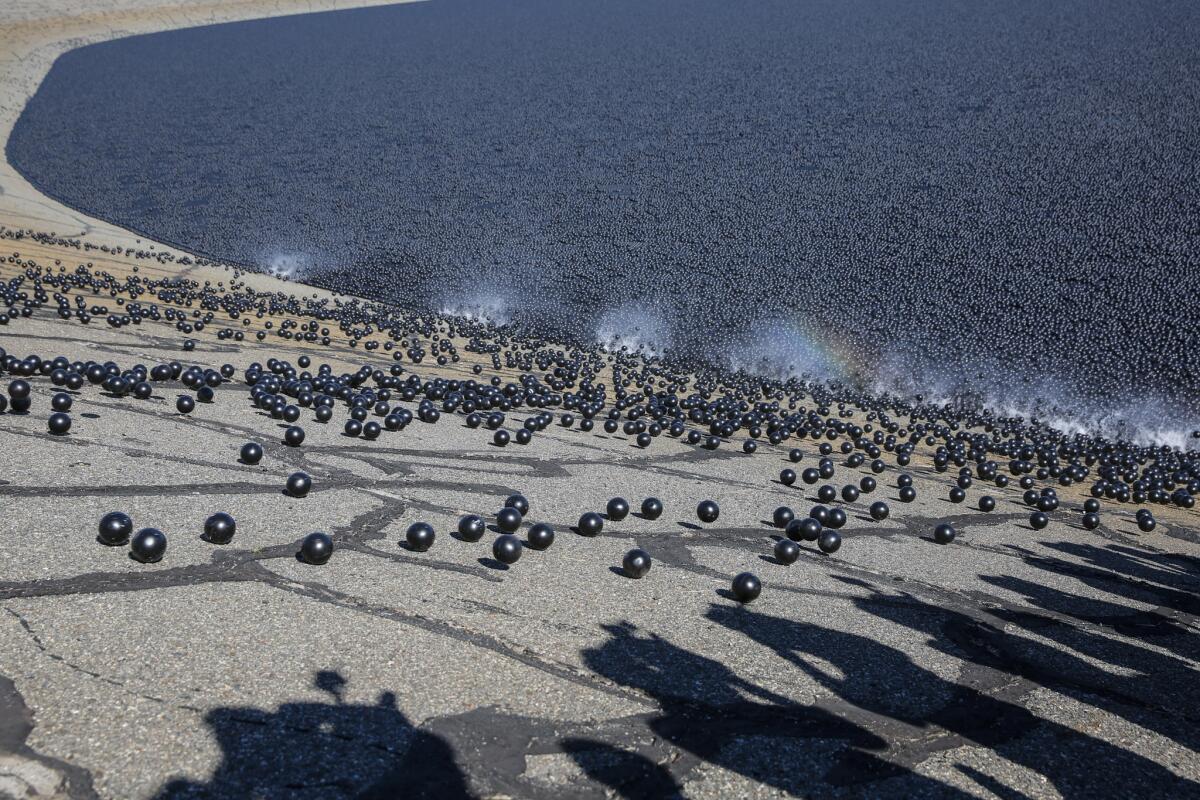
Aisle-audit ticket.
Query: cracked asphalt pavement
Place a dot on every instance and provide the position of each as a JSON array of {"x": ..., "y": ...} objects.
[{"x": 1012, "y": 663}]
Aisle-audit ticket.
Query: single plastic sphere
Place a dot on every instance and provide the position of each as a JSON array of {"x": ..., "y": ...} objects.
[
  {"x": 652, "y": 508},
  {"x": 251, "y": 453},
  {"x": 1038, "y": 520},
  {"x": 746, "y": 587},
  {"x": 782, "y": 516},
  {"x": 987, "y": 503},
  {"x": 220, "y": 528},
  {"x": 708, "y": 511},
  {"x": 59, "y": 423},
  {"x": 617, "y": 509},
  {"x": 316, "y": 548},
  {"x": 787, "y": 551},
  {"x": 518, "y": 502},
  {"x": 299, "y": 484},
  {"x": 879, "y": 511},
  {"x": 420, "y": 536},
  {"x": 148, "y": 545},
  {"x": 115, "y": 528},
  {"x": 590, "y": 524},
  {"x": 507, "y": 548},
  {"x": 508, "y": 519},
  {"x": 636, "y": 563},
  {"x": 829, "y": 541},
  {"x": 471, "y": 527},
  {"x": 540, "y": 536},
  {"x": 944, "y": 533}
]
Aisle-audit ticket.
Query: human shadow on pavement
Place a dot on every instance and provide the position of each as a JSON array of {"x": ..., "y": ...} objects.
[
  {"x": 323, "y": 750},
  {"x": 989, "y": 706},
  {"x": 711, "y": 713}
]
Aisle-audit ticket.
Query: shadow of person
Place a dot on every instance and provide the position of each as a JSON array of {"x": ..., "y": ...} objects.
[
  {"x": 712, "y": 713},
  {"x": 981, "y": 710},
  {"x": 631, "y": 775},
  {"x": 336, "y": 749}
]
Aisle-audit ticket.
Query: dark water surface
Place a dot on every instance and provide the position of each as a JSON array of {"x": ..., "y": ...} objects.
[{"x": 1001, "y": 198}]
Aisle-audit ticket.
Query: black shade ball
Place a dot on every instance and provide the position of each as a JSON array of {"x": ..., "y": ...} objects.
[
  {"x": 944, "y": 533},
  {"x": 829, "y": 541},
  {"x": 294, "y": 436},
  {"x": 907, "y": 494},
  {"x": 219, "y": 528},
  {"x": 1091, "y": 521},
  {"x": 787, "y": 477},
  {"x": 115, "y": 528},
  {"x": 185, "y": 404},
  {"x": 299, "y": 484},
  {"x": 471, "y": 527},
  {"x": 59, "y": 423},
  {"x": 420, "y": 536},
  {"x": 617, "y": 509},
  {"x": 879, "y": 511},
  {"x": 508, "y": 519},
  {"x": 148, "y": 545},
  {"x": 590, "y": 524},
  {"x": 540, "y": 536},
  {"x": 518, "y": 502},
  {"x": 652, "y": 508},
  {"x": 316, "y": 548},
  {"x": 507, "y": 548},
  {"x": 1146, "y": 523},
  {"x": 987, "y": 503},
  {"x": 251, "y": 453},
  {"x": 708, "y": 511},
  {"x": 1038, "y": 520},
  {"x": 636, "y": 563},
  {"x": 746, "y": 587},
  {"x": 836, "y": 518},
  {"x": 61, "y": 402},
  {"x": 782, "y": 516},
  {"x": 787, "y": 551}
]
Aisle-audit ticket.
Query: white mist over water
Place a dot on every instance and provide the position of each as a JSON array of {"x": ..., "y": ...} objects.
[
  {"x": 289, "y": 266},
  {"x": 490, "y": 306},
  {"x": 988, "y": 383},
  {"x": 636, "y": 328},
  {"x": 782, "y": 350}
]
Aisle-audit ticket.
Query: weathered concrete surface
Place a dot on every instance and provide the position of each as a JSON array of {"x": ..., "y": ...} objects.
[{"x": 1058, "y": 663}]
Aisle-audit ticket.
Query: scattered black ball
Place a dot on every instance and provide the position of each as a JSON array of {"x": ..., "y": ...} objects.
[
  {"x": 507, "y": 548},
  {"x": 652, "y": 508},
  {"x": 636, "y": 563},
  {"x": 420, "y": 536},
  {"x": 471, "y": 527},
  {"x": 59, "y": 423},
  {"x": 220, "y": 528},
  {"x": 148, "y": 545},
  {"x": 590, "y": 524},
  {"x": 508, "y": 519},
  {"x": 787, "y": 551},
  {"x": 944, "y": 533},
  {"x": 746, "y": 587},
  {"x": 540, "y": 536},
  {"x": 115, "y": 528},
  {"x": 829, "y": 541},
  {"x": 316, "y": 548},
  {"x": 708, "y": 511},
  {"x": 299, "y": 484},
  {"x": 617, "y": 509}
]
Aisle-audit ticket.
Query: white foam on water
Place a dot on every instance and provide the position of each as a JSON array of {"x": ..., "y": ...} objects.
[{"x": 634, "y": 327}]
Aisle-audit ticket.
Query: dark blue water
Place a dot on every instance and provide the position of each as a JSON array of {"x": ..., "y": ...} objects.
[{"x": 995, "y": 198}]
